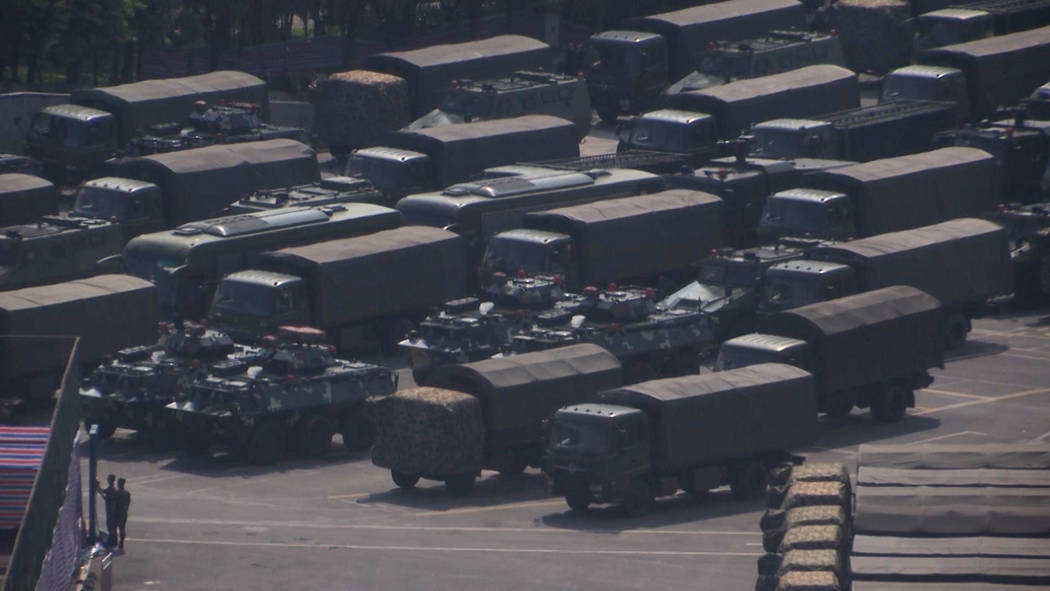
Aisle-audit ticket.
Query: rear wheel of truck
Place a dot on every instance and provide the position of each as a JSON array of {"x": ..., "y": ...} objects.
[
  {"x": 267, "y": 443},
  {"x": 838, "y": 408},
  {"x": 638, "y": 499},
  {"x": 749, "y": 481},
  {"x": 404, "y": 480},
  {"x": 313, "y": 436},
  {"x": 513, "y": 467},
  {"x": 358, "y": 430},
  {"x": 608, "y": 115},
  {"x": 891, "y": 404},
  {"x": 958, "y": 328},
  {"x": 578, "y": 499},
  {"x": 459, "y": 485}
]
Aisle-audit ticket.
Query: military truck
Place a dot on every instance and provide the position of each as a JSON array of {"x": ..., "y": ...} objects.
[
  {"x": 421, "y": 160},
  {"x": 872, "y": 349},
  {"x": 925, "y": 258},
  {"x": 976, "y": 20},
  {"x": 628, "y": 69},
  {"x": 360, "y": 291},
  {"x": 56, "y": 248},
  {"x": 884, "y": 196},
  {"x": 107, "y": 313},
  {"x": 186, "y": 262},
  {"x": 1025, "y": 227},
  {"x": 131, "y": 387},
  {"x": 430, "y": 70},
  {"x": 631, "y": 239},
  {"x": 297, "y": 395},
  {"x": 488, "y": 414},
  {"x": 329, "y": 191},
  {"x": 795, "y": 93},
  {"x": 520, "y": 93},
  {"x": 867, "y": 133},
  {"x": 972, "y": 76},
  {"x": 479, "y": 209},
  {"x": 633, "y": 443},
  {"x": 225, "y": 123},
  {"x": 74, "y": 140},
  {"x": 648, "y": 339},
  {"x": 692, "y": 137},
  {"x": 24, "y": 198},
  {"x": 773, "y": 52}
]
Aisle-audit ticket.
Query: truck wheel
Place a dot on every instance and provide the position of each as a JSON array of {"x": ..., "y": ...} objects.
[
  {"x": 891, "y": 404},
  {"x": 513, "y": 467},
  {"x": 608, "y": 115},
  {"x": 313, "y": 436},
  {"x": 403, "y": 480},
  {"x": 638, "y": 500},
  {"x": 106, "y": 429},
  {"x": 577, "y": 499},
  {"x": 838, "y": 408},
  {"x": 958, "y": 327},
  {"x": 749, "y": 481},
  {"x": 460, "y": 485},
  {"x": 267, "y": 443},
  {"x": 358, "y": 430}
]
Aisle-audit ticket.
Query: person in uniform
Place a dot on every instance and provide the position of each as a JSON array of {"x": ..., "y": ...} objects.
[
  {"x": 109, "y": 496},
  {"x": 121, "y": 506}
]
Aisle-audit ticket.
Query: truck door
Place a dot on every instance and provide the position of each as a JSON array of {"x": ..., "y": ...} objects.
[{"x": 631, "y": 438}]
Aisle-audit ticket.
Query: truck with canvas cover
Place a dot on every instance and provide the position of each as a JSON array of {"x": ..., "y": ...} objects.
[
  {"x": 795, "y": 93},
  {"x": 884, "y": 196},
  {"x": 361, "y": 291},
  {"x": 694, "y": 433},
  {"x": 186, "y": 262},
  {"x": 488, "y": 414},
  {"x": 520, "y": 93},
  {"x": 867, "y": 133},
  {"x": 78, "y": 138},
  {"x": 774, "y": 52},
  {"x": 925, "y": 258},
  {"x": 294, "y": 395},
  {"x": 427, "y": 159},
  {"x": 200, "y": 183},
  {"x": 479, "y": 209},
  {"x": 628, "y": 69},
  {"x": 430, "y": 70},
  {"x": 630, "y": 239},
  {"x": 25, "y": 198},
  {"x": 976, "y": 20},
  {"x": 107, "y": 312},
  {"x": 872, "y": 349}
]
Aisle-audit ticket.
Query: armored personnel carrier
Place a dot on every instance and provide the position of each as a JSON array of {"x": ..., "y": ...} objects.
[
  {"x": 329, "y": 191},
  {"x": 649, "y": 340},
  {"x": 298, "y": 392},
  {"x": 207, "y": 125},
  {"x": 132, "y": 388},
  {"x": 476, "y": 328}
]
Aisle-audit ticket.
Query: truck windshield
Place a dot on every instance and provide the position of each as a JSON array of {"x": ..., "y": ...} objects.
[
  {"x": 72, "y": 133},
  {"x": 514, "y": 255},
  {"x": 783, "y": 144},
  {"x": 734, "y": 357},
  {"x": 782, "y": 293},
  {"x": 663, "y": 136},
  {"x": 913, "y": 87},
  {"x": 728, "y": 274},
  {"x": 791, "y": 217},
  {"x": 94, "y": 202},
  {"x": 145, "y": 264},
  {"x": 246, "y": 298},
  {"x": 386, "y": 175},
  {"x": 580, "y": 436},
  {"x": 611, "y": 58}
]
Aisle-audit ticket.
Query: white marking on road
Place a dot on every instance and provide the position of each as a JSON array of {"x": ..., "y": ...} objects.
[
  {"x": 465, "y": 510},
  {"x": 844, "y": 452},
  {"x": 152, "y": 478},
  {"x": 1033, "y": 357},
  {"x": 1020, "y": 394},
  {"x": 442, "y": 548},
  {"x": 951, "y": 393},
  {"x": 1009, "y": 334},
  {"x": 1043, "y": 436},
  {"x": 950, "y": 435}
]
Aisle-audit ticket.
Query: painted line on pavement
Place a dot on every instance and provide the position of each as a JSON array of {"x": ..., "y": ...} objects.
[
  {"x": 1043, "y": 436},
  {"x": 468, "y": 510},
  {"x": 1021, "y": 394},
  {"x": 950, "y": 393},
  {"x": 440, "y": 548},
  {"x": 950, "y": 435}
]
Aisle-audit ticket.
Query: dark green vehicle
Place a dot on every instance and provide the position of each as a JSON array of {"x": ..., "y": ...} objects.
[
  {"x": 56, "y": 248},
  {"x": 693, "y": 433},
  {"x": 297, "y": 393}
]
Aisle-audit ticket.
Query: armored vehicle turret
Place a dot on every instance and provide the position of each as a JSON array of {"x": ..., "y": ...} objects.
[
  {"x": 208, "y": 125},
  {"x": 298, "y": 389}
]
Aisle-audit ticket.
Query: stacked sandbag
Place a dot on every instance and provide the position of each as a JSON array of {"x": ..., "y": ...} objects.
[
  {"x": 806, "y": 528},
  {"x": 356, "y": 109},
  {"x": 428, "y": 431},
  {"x": 876, "y": 35}
]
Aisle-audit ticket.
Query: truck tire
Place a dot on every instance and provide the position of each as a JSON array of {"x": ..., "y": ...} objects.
[
  {"x": 891, "y": 404},
  {"x": 313, "y": 437},
  {"x": 459, "y": 485},
  {"x": 513, "y": 467},
  {"x": 958, "y": 328},
  {"x": 577, "y": 498},
  {"x": 267, "y": 443},
  {"x": 358, "y": 430},
  {"x": 749, "y": 481},
  {"x": 106, "y": 429},
  {"x": 638, "y": 499},
  {"x": 608, "y": 115},
  {"x": 838, "y": 407},
  {"x": 404, "y": 480}
]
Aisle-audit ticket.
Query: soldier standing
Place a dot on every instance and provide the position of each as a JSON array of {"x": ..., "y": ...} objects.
[
  {"x": 121, "y": 506},
  {"x": 109, "y": 495}
]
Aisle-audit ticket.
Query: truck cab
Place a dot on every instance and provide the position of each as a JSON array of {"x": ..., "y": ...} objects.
[
  {"x": 251, "y": 303},
  {"x": 950, "y": 26},
  {"x": 72, "y": 141},
  {"x": 669, "y": 130},
  {"x": 806, "y": 213},
  {"x": 393, "y": 171},
  {"x": 797, "y": 283},
  {"x": 626, "y": 71},
  {"x": 1021, "y": 151},
  {"x": 787, "y": 139},
  {"x": 534, "y": 252},
  {"x": 756, "y": 348},
  {"x": 135, "y": 205},
  {"x": 929, "y": 83}
]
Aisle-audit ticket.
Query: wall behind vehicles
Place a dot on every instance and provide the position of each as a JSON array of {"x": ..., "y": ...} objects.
[
  {"x": 294, "y": 114},
  {"x": 724, "y": 415},
  {"x": 16, "y": 115}
]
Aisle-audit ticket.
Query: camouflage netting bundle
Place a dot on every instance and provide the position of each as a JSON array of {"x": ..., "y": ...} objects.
[
  {"x": 782, "y": 478},
  {"x": 428, "y": 431},
  {"x": 776, "y": 523},
  {"x": 876, "y": 35},
  {"x": 813, "y": 537},
  {"x": 812, "y": 560},
  {"x": 805, "y": 494},
  {"x": 356, "y": 109},
  {"x": 809, "y": 581}
]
